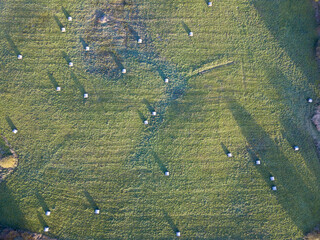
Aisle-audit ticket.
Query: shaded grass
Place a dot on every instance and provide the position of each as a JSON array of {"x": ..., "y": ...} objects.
[{"x": 102, "y": 146}]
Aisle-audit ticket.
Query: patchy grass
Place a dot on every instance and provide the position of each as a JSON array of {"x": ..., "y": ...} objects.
[{"x": 77, "y": 155}]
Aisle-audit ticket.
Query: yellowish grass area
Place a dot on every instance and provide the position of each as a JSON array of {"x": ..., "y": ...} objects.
[{"x": 8, "y": 162}]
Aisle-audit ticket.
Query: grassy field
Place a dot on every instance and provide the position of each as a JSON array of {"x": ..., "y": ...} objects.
[{"x": 239, "y": 84}]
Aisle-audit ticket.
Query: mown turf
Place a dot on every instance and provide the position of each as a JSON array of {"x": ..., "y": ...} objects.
[{"x": 77, "y": 155}]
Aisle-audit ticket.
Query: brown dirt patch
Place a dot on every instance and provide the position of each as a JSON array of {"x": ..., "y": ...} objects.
[
  {"x": 11, "y": 234},
  {"x": 8, "y": 158},
  {"x": 108, "y": 31}
]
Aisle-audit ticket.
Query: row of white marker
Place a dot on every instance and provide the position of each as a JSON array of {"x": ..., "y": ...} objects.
[
  {"x": 48, "y": 213},
  {"x": 96, "y": 211},
  {"x": 258, "y": 162}
]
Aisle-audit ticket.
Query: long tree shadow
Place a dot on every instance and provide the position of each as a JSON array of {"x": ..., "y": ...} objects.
[
  {"x": 53, "y": 80},
  {"x": 170, "y": 221},
  {"x": 77, "y": 83},
  {"x": 90, "y": 200},
  {"x": 60, "y": 25},
  {"x": 294, "y": 134},
  {"x": 296, "y": 28},
  {"x": 10, "y": 213},
  {"x": 10, "y": 123},
  {"x": 301, "y": 205},
  {"x": 12, "y": 45}
]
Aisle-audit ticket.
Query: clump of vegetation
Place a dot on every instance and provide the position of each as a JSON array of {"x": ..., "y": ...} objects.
[{"x": 314, "y": 235}]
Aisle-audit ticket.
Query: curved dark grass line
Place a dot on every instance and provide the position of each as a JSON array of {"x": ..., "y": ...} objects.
[{"x": 174, "y": 90}]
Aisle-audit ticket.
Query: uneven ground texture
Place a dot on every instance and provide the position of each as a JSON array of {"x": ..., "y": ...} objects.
[{"x": 257, "y": 69}]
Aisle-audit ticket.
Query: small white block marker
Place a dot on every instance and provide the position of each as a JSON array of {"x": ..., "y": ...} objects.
[
  {"x": 19, "y": 56},
  {"x": 87, "y": 48},
  {"x": 154, "y": 113},
  {"x": 96, "y": 211},
  {"x": 274, "y": 188},
  {"x": 178, "y": 234},
  {"x": 296, "y": 148},
  {"x": 46, "y": 229},
  {"x": 139, "y": 40},
  {"x": 86, "y": 95},
  {"x": 309, "y": 100},
  {"x": 58, "y": 89},
  {"x": 209, "y": 4},
  {"x": 166, "y": 173},
  {"x": 146, "y": 122},
  {"x": 190, "y": 34},
  {"x": 272, "y": 178},
  {"x": 229, "y": 154},
  {"x": 63, "y": 29},
  {"x": 70, "y": 64},
  {"x": 166, "y": 80},
  {"x": 124, "y": 70},
  {"x": 69, "y": 18},
  {"x": 14, "y": 130},
  {"x": 258, "y": 162},
  {"x": 48, "y": 213}
]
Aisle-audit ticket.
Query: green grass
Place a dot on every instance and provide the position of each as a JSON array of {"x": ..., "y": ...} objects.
[{"x": 255, "y": 107}]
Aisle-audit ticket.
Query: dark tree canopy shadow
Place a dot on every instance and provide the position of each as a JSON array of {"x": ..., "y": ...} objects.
[
  {"x": 300, "y": 205},
  {"x": 295, "y": 25},
  {"x": 10, "y": 213}
]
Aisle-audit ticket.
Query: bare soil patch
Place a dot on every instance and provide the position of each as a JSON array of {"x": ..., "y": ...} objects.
[
  {"x": 11, "y": 234},
  {"x": 8, "y": 158}
]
